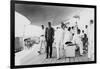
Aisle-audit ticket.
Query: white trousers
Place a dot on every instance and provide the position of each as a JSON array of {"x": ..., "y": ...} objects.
[
  {"x": 59, "y": 48},
  {"x": 42, "y": 43},
  {"x": 81, "y": 48}
]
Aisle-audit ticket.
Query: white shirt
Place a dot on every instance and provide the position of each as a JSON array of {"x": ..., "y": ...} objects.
[
  {"x": 68, "y": 36},
  {"x": 42, "y": 34},
  {"x": 59, "y": 35},
  {"x": 42, "y": 31},
  {"x": 77, "y": 39},
  {"x": 86, "y": 32},
  {"x": 82, "y": 35}
]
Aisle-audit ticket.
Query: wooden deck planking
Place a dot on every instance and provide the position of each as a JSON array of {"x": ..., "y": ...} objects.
[
  {"x": 41, "y": 59},
  {"x": 72, "y": 59}
]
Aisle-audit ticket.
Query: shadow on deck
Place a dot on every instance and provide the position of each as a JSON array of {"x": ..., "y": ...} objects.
[{"x": 41, "y": 59}]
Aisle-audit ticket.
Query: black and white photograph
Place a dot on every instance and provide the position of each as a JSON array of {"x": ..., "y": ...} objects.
[{"x": 53, "y": 34}]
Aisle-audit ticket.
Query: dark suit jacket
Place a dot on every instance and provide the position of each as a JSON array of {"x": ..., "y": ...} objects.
[{"x": 49, "y": 34}]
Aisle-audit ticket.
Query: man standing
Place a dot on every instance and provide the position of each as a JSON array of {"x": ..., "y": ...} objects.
[
  {"x": 42, "y": 39},
  {"x": 49, "y": 36},
  {"x": 68, "y": 35},
  {"x": 91, "y": 41},
  {"x": 86, "y": 29},
  {"x": 59, "y": 40},
  {"x": 77, "y": 40}
]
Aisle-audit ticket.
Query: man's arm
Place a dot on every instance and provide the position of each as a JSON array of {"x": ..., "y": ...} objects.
[
  {"x": 46, "y": 34},
  {"x": 53, "y": 32}
]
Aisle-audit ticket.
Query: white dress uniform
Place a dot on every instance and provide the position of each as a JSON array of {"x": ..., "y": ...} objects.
[
  {"x": 42, "y": 40},
  {"x": 91, "y": 42},
  {"x": 73, "y": 31},
  {"x": 68, "y": 36},
  {"x": 86, "y": 31},
  {"x": 59, "y": 41},
  {"x": 77, "y": 40}
]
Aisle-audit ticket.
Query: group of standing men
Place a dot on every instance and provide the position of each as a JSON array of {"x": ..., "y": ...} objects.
[
  {"x": 47, "y": 39},
  {"x": 64, "y": 34}
]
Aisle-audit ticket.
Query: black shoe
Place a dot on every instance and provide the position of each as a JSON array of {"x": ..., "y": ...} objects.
[
  {"x": 46, "y": 57},
  {"x": 39, "y": 52},
  {"x": 58, "y": 58},
  {"x": 50, "y": 57}
]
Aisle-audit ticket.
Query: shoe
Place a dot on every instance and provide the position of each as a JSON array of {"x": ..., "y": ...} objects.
[
  {"x": 39, "y": 52},
  {"x": 81, "y": 54},
  {"x": 50, "y": 57},
  {"x": 46, "y": 57}
]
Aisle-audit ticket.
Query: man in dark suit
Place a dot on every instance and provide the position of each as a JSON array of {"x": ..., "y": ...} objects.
[{"x": 49, "y": 36}]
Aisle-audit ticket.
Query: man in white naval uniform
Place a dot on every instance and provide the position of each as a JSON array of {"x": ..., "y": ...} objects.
[
  {"x": 59, "y": 40},
  {"x": 68, "y": 35},
  {"x": 77, "y": 40},
  {"x": 42, "y": 39},
  {"x": 72, "y": 30},
  {"x": 91, "y": 40},
  {"x": 86, "y": 30}
]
